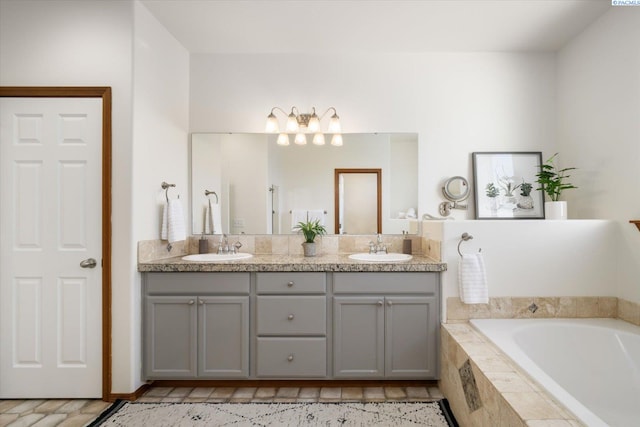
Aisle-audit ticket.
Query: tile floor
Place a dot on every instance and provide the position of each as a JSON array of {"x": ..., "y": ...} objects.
[{"x": 77, "y": 413}]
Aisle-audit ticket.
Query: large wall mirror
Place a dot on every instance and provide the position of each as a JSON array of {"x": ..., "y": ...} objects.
[{"x": 263, "y": 188}]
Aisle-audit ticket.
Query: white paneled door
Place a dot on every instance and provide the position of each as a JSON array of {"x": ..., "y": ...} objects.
[{"x": 51, "y": 247}]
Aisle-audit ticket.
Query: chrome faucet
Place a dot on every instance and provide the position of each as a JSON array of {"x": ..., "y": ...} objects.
[
  {"x": 223, "y": 244},
  {"x": 379, "y": 247}
]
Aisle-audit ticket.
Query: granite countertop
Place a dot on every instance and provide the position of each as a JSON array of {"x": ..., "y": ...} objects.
[{"x": 293, "y": 263}]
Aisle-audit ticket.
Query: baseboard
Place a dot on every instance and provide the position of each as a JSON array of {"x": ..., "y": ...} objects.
[
  {"x": 294, "y": 383},
  {"x": 129, "y": 396}
]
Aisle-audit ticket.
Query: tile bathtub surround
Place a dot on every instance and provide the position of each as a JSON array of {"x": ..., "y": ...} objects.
[
  {"x": 629, "y": 311},
  {"x": 485, "y": 388},
  {"x": 546, "y": 307}
]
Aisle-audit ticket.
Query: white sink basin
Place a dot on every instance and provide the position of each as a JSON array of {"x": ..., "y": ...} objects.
[
  {"x": 392, "y": 257},
  {"x": 216, "y": 257}
]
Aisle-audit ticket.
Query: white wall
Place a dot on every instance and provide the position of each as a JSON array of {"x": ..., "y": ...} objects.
[
  {"x": 457, "y": 102},
  {"x": 599, "y": 131},
  {"x": 526, "y": 258},
  {"x": 160, "y": 153},
  {"x": 43, "y": 44},
  {"x": 91, "y": 43}
]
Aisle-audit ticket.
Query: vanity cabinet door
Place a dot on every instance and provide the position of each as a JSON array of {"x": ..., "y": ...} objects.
[
  {"x": 170, "y": 337},
  {"x": 223, "y": 345},
  {"x": 411, "y": 337},
  {"x": 358, "y": 346}
]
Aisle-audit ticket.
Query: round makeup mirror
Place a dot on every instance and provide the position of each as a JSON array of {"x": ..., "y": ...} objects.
[{"x": 455, "y": 190}]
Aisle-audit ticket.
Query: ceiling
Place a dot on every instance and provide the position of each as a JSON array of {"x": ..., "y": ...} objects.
[{"x": 351, "y": 26}]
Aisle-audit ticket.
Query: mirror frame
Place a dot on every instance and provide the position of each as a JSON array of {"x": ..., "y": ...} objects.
[
  {"x": 337, "y": 173},
  {"x": 450, "y": 196}
]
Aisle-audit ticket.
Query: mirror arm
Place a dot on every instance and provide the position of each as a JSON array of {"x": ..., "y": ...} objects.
[{"x": 445, "y": 207}]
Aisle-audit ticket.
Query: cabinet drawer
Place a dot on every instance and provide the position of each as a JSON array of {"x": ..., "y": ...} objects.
[
  {"x": 291, "y": 315},
  {"x": 396, "y": 283},
  {"x": 292, "y": 357},
  {"x": 291, "y": 283},
  {"x": 200, "y": 283}
]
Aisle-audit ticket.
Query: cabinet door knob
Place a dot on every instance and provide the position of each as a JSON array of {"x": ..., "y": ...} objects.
[
  {"x": 290, "y": 284},
  {"x": 290, "y": 358},
  {"x": 191, "y": 302},
  {"x": 389, "y": 303},
  {"x": 290, "y": 317},
  {"x": 380, "y": 302},
  {"x": 200, "y": 301}
]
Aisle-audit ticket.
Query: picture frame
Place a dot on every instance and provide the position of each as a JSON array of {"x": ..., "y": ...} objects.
[{"x": 505, "y": 185}]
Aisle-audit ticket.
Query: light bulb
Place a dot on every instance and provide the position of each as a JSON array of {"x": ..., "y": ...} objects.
[
  {"x": 314, "y": 123},
  {"x": 336, "y": 140},
  {"x": 283, "y": 139},
  {"x": 272, "y": 124},
  {"x": 318, "y": 138},
  {"x": 301, "y": 139},
  {"x": 292, "y": 123},
  {"x": 334, "y": 124}
]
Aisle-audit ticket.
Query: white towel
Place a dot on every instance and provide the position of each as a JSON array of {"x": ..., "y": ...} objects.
[
  {"x": 213, "y": 218},
  {"x": 208, "y": 219},
  {"x": 173, "y": 228},
  {"x": 297, "y": 215},
  {"x": 472, "y": 279},
  {"x": 316, "y": 215}
]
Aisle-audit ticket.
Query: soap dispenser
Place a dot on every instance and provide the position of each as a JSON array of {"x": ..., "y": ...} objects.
[
  {"x": 406, "y": 243},
  {"x": 203, "y": 245}
]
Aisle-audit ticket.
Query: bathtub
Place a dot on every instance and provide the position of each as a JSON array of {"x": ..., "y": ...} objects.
[{"x": 591, "y": 366}]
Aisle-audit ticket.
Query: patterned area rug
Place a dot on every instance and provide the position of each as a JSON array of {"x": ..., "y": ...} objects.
[{"x": 131, "y": 414}]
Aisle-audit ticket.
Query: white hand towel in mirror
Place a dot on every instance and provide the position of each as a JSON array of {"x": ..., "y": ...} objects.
[
  {"x": 212, "y": 218},
  {"x": 472, "y": 279},
  {"x": 298, "y": 215},
  {"x": 317, "y": 215}
]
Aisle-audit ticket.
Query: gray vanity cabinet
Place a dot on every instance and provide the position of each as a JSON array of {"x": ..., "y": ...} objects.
[
  {"x": 171, "y": 336},
  {"x": 196, "y": 325},
  {"x": 385, "y": 325},
  {"x": 291, "y": 325}
]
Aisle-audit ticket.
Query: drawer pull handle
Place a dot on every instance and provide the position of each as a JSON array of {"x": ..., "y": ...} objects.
[
  {"x": 290, "y": 284},
  {"x": 290, "y": 358},
  {"x": 191, "y": 302},
  {"x": 380, "y": 303},
  {"x": 290, "y": 317}
]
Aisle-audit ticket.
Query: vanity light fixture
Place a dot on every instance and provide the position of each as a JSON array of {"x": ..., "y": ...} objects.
[{"x": 300, "y": 124}]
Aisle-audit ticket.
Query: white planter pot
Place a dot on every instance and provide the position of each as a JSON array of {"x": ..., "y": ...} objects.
[
  {"x": 309, "y": 249},
  {"x": 555, "y": 210}
]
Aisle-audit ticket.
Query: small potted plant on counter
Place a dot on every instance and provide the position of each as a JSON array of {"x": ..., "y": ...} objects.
[
  {"x": 552, "y": 181},
  {"x": 310, "y": 229}
]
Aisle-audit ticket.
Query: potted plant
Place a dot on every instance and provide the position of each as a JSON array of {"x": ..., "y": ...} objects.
[
  {"x": 310, "y": 229},
  {"x": 552, "y": 181}
]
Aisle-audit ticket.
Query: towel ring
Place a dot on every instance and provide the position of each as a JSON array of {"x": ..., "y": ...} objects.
[
  {"x": 207, "y": 192},
  {"x": 165, "y": 187},
  {"x": 465, "y": 236}
]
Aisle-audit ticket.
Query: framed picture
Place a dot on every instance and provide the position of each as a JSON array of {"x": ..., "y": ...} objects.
[{"x": 506, "y": 187}]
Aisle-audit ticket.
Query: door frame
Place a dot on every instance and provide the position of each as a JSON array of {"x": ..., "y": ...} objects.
[
  {"x": 336, "y": 179},
  {"x": 103, "y": 92}
]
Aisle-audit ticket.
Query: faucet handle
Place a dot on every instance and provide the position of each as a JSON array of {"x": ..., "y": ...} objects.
[{"x": 372, "y": 248}]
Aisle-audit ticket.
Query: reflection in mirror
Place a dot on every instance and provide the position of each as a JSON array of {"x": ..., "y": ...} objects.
[
  {"x": 455, "y": 190},
  {"x": 261, "y": 186},
  {"x": 358, "y": 201}
]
